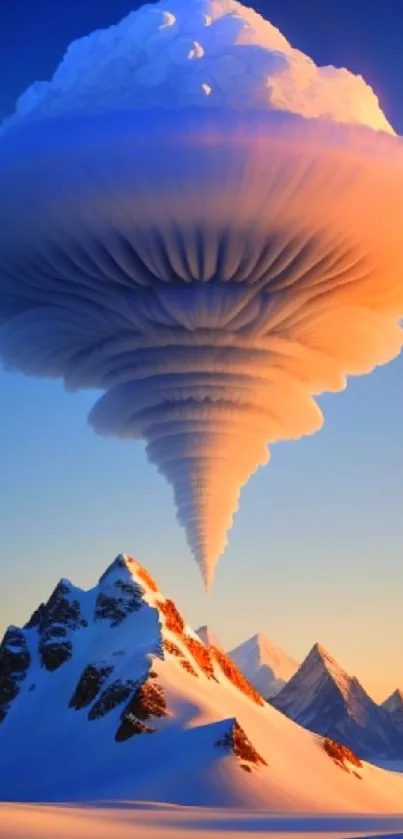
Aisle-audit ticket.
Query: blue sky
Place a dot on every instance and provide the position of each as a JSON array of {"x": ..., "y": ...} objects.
[{"x": 315, "y": 553}]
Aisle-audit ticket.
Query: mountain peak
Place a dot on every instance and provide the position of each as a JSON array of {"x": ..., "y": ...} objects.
[
  {"x": 261, "y": 641},
  {"x": 322, "y": 697},
  {"x": 268, "y": 667},
  {"x": 124, "y": 566},
  {"x": 320, "y": 656},
  {"x": 208, "y": 637},
  {"x": 319, "y": 650},
  {"x": 394, "y": 702},
  {"x": 125, "y": 604}
]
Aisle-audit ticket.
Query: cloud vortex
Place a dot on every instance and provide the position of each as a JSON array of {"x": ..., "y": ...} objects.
[{"x": 211, "y": 267}]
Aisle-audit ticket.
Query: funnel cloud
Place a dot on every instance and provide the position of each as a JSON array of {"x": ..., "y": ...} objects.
[{"x": 205, "y": 226}]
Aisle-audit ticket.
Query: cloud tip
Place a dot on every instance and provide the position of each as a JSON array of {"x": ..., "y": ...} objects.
[{"x": 208, "y": 574}]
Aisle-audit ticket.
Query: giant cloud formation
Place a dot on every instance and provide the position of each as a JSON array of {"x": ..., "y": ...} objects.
[{"x": 201, "y": 223}]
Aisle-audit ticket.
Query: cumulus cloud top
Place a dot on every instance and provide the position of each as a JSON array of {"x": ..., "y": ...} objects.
[
  {"x": 209, "y": 53},
  {"x": 212, "y": 263}
]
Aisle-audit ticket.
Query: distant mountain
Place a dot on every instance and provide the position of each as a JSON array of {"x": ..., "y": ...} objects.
[
  {"x": 108, "y": 694},
  {"x": 207, "y": 636},
  {"x": 267, "y": 667},
  {"x": 394, "y": 702},
  {"x": 322, "y": 697},
  {"x": 394, "y": 707}
]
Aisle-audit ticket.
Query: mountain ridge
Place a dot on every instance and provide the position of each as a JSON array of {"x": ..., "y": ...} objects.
[{"x": 129, "y": 704}]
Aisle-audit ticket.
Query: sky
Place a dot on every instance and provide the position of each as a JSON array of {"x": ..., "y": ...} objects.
[{"x": 315, "y": 551}]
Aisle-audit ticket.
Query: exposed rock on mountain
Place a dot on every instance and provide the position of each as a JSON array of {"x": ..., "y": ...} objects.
[
  {"x": 237, "y": 742},
  {"x": 14, "y": 664}
]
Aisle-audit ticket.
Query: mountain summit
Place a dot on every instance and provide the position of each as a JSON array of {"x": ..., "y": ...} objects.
[
  {"x": 322, "y": 697},
  {"x": 394, "y": 702},
  {"x": 394, "y": 707},
  {"x": 109, "y": 694},
  {"x": 208, "y": 637},
  {"x": 265, "y": 665}
]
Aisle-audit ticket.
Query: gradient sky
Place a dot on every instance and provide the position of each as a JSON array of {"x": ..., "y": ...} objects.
[{"x": 315, "y": 553}]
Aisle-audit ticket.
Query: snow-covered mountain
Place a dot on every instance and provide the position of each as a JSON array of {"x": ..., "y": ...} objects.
[
  {"x": 108, "y": 694},
  {"x": 267, "y": 667},
  {"x": 394, "y": 707},
  {"x": 208, "y": 637},
  {"x": 322, "y": 697}
]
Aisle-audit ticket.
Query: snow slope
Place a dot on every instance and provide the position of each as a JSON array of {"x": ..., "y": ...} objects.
[
  {"x": 321, "y": 696},
  {"x": 107, "y": 694},
  {"x": 265, "y": 665},
  {"x": 132, "y": 821}
]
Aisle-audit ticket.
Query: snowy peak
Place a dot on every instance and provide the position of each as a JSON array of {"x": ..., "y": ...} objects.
[
  {"x": 127, "y": 569},
  {"x": 265, "y": 665},
  {"x": 103, "y": 666},
  {"x": 322, "y": 697},
  {"x": 208, "y": 637},
  {"x": 268, "y": 652},
  {"x": 109, "y": 637}
]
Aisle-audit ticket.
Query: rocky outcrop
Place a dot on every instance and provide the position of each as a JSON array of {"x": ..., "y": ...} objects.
[
  {"x": 119, "y": 595},
  {"x": 14, "y": 665},
  {"x": 36, "y": 617},
  {"x": 199, "y": 652},
  {"x": 55, "y": 621},
  {"x": 235, "y": 741},
  {"x": 172, "y": 648},
  {"x": 342, "y": 756},
  {"x": 54, "y": 654},
  {"x": 130, "y": 726},
  {"x": 201, "y": 655},
  {"x": 116, "y": 607},
  {"x": 188, "y": 667},
  {"x": 147, "y": 701},
  {"x": 144, "y": 576},
  {"x": 172, "y": 617},
  {"x": 236, "y": 677},
  {"x": 89, "y": 685},
  {"x": 62, "y": 609},
  {"x": 118, "y": 566},
  {"x": 113, "y": 695}
]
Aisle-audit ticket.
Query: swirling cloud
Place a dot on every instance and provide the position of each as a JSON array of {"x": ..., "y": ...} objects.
[{"x": 213, "y": 262}]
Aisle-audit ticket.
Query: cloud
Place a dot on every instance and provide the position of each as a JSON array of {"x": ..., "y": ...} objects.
[
  {"x": 211, "y": 269},
  {"x": 203, "y": 53}
]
